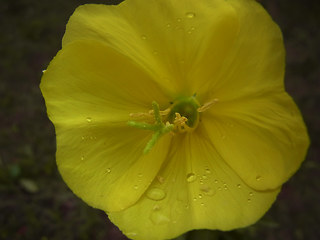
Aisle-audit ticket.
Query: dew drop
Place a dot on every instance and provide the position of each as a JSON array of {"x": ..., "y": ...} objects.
[
  {"x": 158, "y": 218},
  {"x": 143, "y": 37},
  {"x": 194, "y": 199},
  {"x": 156, "y": 194},
  {"x": 168, "y": 25},
  {"x": 135, "y": 187},
  {"x": 208, "y": 191},
  {"x": 131, "y": 234},
  {"x": 83, "y": 138},
  {"x": 216, "y": 181},
  {"x": 82, "y": 158},
  {"x": 202, "y": 204},
  {"x": 208, "y": 171},
  {"x": 108, "y": 170},
  {"x": 140, "y": 175},
  {"x": 239, "y": 186},
  {"x": 204, "y": 177},
  {"x": 179, "y": 19},
  {"x": 191, "y": 177},
  {"x": 160, "y": 179},
  {"x": 200, "y": 195},
  {"x": 190, "y": 15},
  {"x": 249, "y": 200},
  {"x": 258, "y": 178},
  {"x": 191, "y": 30},
  {"x": 251, "y": 194},
  {"x": 156, "y": 207},
  {"x": 44, "y": 71},
  {"x": 89, "y": 119}
]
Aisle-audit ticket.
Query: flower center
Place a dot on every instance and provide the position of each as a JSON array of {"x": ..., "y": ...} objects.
[
  {"x": 183, "y": 114},
  {"x": 181, "y": 117}
]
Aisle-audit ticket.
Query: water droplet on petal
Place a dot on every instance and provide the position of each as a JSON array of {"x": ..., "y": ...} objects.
[
  {"x": 160, "y": 179},
  {"x": 44, "y": 71},
  {"x": 83, "y": 137},
  {"x": 208, "y": 171},
  {"x": 168, "y": 25},
  {"x": 108, "y": 170},
  {"x": 249, "y": 200},
  {"x": 82, "y": 158},
  {"x": 225, "y": 186},
  {"x": 251, "y": 194},
  {"x": 179, "y": 19},
  {"x": 156, "y": 207},
  {"x": 191, "y": 177},
  {"x": 135, "y": 187},
  {"x": 191, "y": 30},
  {"x": 131, "y": 234},
  {"x": 156, "y": 194},
  {"x": 158, "y": 218},
  {"x": 207, "y": 191},
  {"x": 190, "y": 14},
  {"x": 216, "y": 181},
  {"x": 143, "y": 37},
  {"x": 89, "y": 119},
  {"x": 200, "y": 195},
  {"x": 258, "y": 178},
  {"x": 239, "y": 186}
]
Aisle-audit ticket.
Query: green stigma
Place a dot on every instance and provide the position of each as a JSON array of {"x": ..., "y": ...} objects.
[
  {"x": 159, "y": 127},
  {"x": 181, "y": 117}
]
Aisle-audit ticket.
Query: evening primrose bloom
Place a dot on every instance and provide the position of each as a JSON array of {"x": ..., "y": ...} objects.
[{"x": 172, "y": 115}]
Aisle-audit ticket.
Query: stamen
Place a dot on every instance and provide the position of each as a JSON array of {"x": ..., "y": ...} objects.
[
  {"x": 149, "y": 116},
  {"x": 207, "y": 105},
  {"x": 180, "y": 123}
]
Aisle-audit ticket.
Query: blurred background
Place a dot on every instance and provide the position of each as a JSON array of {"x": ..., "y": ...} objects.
[{"x": 34, "y": 201}]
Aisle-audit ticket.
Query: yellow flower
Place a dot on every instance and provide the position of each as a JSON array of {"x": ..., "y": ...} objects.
[{"x": 172, "y": 115}]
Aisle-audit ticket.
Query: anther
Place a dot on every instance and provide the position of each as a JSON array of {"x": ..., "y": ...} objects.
[{"x": 207, "y": 105}]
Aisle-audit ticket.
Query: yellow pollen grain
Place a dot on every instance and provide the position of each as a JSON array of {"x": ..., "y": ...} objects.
[{"x": 180, "y": 123}]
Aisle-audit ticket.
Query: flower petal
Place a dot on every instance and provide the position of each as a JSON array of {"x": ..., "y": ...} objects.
[
  {"x": 90, "y": 90},
  {"x": 168, "y": 38},
  {"x": 104, "y": 165},
  {"x": 89, "y": 81},
  {"x": 262, "y": 138},
  {"x": 252, "y": 63},
  {"x": 195, "y": 189}
]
